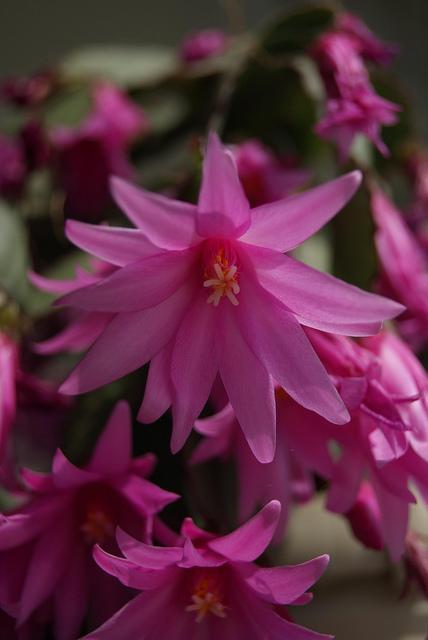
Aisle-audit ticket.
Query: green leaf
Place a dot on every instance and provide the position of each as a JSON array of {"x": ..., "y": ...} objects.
[
  {"x": 14, "y": 258},
  {"x": 127, "y": 66},
  {"x": 67, "y": 108},
  {"x": 295, "y": 32}
]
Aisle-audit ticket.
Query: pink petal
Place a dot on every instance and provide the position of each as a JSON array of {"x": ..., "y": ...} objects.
[
  {"x": 285, "y": 224},
  {"x": 67, "y": 476},
  {"x": 346, "y": 481},
  {"x": 136, "y": 286},
  {"x": 72, "y": 595},
  {"x": 394, "y": 520},
  {"x": 157, "y": 394},
  {"x": 133, "y": 338},
  {"x": 146, "y": 496},
  {"x": 52, "y": 286},
  {"x": 113, "y": 452},
  {"x": 194, "y": 367},
  {"x": 145, "y": 555},
  {"x": 223, "y": 209},
  {"x": 321, "y": 301},
  {"x": 127, "y": 572},
  {"x": 117, "y": 245},
  {"x": 284, "y": 349},
  {"x": 79, "y": 334},
  {"x": 249, "y": 387},
  {"x": 19, "y": 528},
  {"x": 217, "y": 424},
  {"x": 167, "y": 223},
  {"x": 248, "y": 542},
  {"x": 284, "y": 585}
]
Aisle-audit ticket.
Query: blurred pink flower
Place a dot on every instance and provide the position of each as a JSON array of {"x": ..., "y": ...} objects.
[
  {"x": 353, "y": 107},
  {"x": 209, "y": 587},
  {"x": 88, "y": 154},
  {"x": 404, "y": 268},
  {"x": 13, "y": 168},
  {"x": 28, "y": 91},
  {"x": 264, "y": 176},
  {"x": 368, "y": 45},
  {"x": 206, "y": 289},
  {"x": 203, "y": 44},
  {"x": 416, "y": 563},
  {"x": 45, "y": 545}
]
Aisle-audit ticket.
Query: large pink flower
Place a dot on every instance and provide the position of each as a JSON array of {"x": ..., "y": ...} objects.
[
  {"x": 46, "y": 565},
  {"x": 209, "y": 587},
  {"x": 206, "y": 289}
]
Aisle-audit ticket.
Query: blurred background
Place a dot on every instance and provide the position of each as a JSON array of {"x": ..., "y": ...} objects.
[{"x": 33, "y": 34}]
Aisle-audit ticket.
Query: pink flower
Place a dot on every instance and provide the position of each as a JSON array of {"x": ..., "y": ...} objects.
[
  {"x": 265, "y": 177},
  {"x": 45, "y": 546},
  {"x": 404, "y": 268},
  {"x": 353, "y": 107},
  {"x": 203, "y": 44},
  {"x": 28, "y": 91},
  {"x": 97, "y": 148},
  {"x": 206, "y": 289},
  {"x": 302, "y": 449},
  {"x": 209, "y": 587},
  {"x": 385, "y": 390},
  {"x": 365, "y": 518},
  {"x": 13, "y": 169},
  {"x": 8, "y": 374},
  {"x": 368, "y": 45}
]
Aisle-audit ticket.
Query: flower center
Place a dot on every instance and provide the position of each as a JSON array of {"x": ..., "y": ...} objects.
[
  {"x": 222, "y": 278},
  {"x": 206, "y": 598},
  {"x": 97, "y": 527}
]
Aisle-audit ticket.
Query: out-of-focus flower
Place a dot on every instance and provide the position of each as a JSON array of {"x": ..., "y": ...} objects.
[
  {"x": 209, "y": 587},
  {"x": 404, "y": 268},
  {"x": 13, "y": 170},
  {"x": 353, "y": 107},
  {"x": 416, "y": 563},
  {"x": 302, "y": 449},
  {"x": 46, "y": 545},
  {"x": 90, "y": 153},
  {"x": 8, "y": 375},
  {"x": 385, "y": 390},
  {"x": 264, "y": 176},
  {"x": 206, "y": 288},
  {"x": 368, "y": 45},
  {"x": 28, "y": 91},
  {"x": 365, "y": 518},
  {"x": 203, "y": 44}
]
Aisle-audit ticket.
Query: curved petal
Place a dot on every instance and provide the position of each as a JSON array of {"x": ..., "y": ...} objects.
[
  {"x": 319, "y": 300},
  {"x": 249, "y": 387},
  {"x": 284, "y": 585},
  {"x": 117, "y": 245},
  {"x": 147, "y": 498},
  {"x": 66, "y": 475},
  {"x": 79, "y": 334},
  {"x": 284, "y": 349},
  {"x": 194, "y": 366},
  {"x": 217, "y": 424},
  {"x": 136, "y": 286},
  {"x": 113, "y": 452},
  {"x": 285, "y": 224},
  {"x": 133, "y": 338},
  {"x": 129, "y": 574},
  {"x": 248, "y": 542},
  {"x": 167, "y": 223},
  {"x": 223, "y": 208},
  {"x": 145, "y": 555},
  {"x": 157, "y": 394}
]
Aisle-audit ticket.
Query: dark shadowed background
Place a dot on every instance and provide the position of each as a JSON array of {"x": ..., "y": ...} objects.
[{"x": 33, "y": 33}]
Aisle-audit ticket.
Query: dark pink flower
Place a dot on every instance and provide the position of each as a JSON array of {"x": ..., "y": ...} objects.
[
  {"x": 209, "y": 587},
  {"x": 203, "y": 44},
  {"x": 264, "y": 176},
  {"x": 365, "y": 518},
  {"x": 28, "y": 91},
  {"x": 203, "y": 289},
  {"x": 8, "y": 375},
  {"x": 13, "y": 168},
  {"x": 45, "y": 545},
  {"x": 353, "y": 107},
  {"x": 97, "y": 148},
  {"x": 404, "y": 268},
  {"x": 366, "y": 42}
]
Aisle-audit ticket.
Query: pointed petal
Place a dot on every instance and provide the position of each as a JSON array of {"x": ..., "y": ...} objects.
[
  {"x": 133, "y": 338},
  {"x": 321, "y": 301},
  {"x": 144, "y": 495},
  {"x": 284, "y": 349},
  {"x": 193, "y": 367},
  {"x": 285, "y": 224},
  {"x": 346, "y": 481},
  {"x": 223, "y": 208},
  {"x": 49, "y": 285},
  {"x": 129, "y": 574},
  {"x": 145, "y": 555},
  {"x": 249, "y": 387},
  {"x": 117, "y": 245},
  {"x": 217, "y": 424},
  {"x": 167, "y": 223},
  {"x": 79, "y": 334},
  {"x": 113, "y": 452},
  {"x": 248, "y": 542},
  {"x": 157, "y": 394},
  {"x": 66, "y": 475},
  {"x": 283, "y": 585},
  {"x": 17, "y": 529},
  {"x": 394, "y": 520},
  {"x": 137, "y": 286}
]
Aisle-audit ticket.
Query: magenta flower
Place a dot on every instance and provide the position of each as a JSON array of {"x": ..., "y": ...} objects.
[
  {"x": 368, "y": 45},
  {"x": 97, "y": 148},
  {"x": 45, "y": 546},
  {"x": 353, "y": 107},
  {"x": 265, "y": 177},
  {"x": 209, "y": 587},
  {"x": 365, "y": 518},
  {"x": 302, "y": 449},
  {"x": 203, "y": 44},
  {"x": 404, "y": 268},
  {"x": 206, "y": 289},
  {"x": 8, "y": 375}
]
